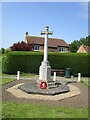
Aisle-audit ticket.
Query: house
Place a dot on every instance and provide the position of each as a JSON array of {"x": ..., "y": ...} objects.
[
  {"x": 83, "y": 49},
  {"x": 54, "y": 45}
]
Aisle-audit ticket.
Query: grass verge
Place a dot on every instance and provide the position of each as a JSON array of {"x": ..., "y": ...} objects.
[
  {"x": 86, "y": 83},
  {"x": 6, "y": 80},
  {"x": 22, "y": 75},
  {"x": 16, "y": 110}
]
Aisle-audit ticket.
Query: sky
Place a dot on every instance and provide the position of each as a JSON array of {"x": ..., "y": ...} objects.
[{"x": 67, "y": 20}]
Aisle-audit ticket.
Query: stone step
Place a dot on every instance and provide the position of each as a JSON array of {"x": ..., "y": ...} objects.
[
  {"x": 58, "y": 83},
  {"x": 50, "y": 84},
  {"x": 53, "y": 86},
  {"x": 50, "y": 81}
]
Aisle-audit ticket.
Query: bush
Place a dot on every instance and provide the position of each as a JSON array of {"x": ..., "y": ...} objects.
[
  {"x": 2, "y": 50},
  {"x": 7, "y": 50},
  {"x": 22, "y": 46},
  {"x": 30, "y": 61}
]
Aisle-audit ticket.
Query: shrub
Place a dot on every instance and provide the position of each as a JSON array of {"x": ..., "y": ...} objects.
[
  {"x": 2, "y": 50},
  {"x": 22, "y": 46},
  {"x": 7, "y": 50},
  {"x": 30, "y": 61}
]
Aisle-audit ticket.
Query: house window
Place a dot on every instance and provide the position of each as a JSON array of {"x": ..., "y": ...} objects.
[
  {"x": 62, "y": 49},
  {"x": 36, "y": 47}
]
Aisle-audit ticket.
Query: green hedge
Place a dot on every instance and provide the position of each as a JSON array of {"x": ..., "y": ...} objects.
[{"x": 30, "y": 61}]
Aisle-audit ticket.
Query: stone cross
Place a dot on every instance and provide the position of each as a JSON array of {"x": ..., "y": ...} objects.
[
  {"x": 45, "y": 69},
  {"x": 46, "y": 33}
]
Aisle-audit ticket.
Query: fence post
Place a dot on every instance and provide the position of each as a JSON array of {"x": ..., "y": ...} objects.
[
  {"x": 54, "y": 79},
  {"x": 18, "y": 75},
  {"x": 79, "y": 77},
  {"x": 72, "y": 77}
]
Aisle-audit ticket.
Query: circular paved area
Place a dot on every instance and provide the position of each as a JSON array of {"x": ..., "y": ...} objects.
[{"x": 80, "y": 100}]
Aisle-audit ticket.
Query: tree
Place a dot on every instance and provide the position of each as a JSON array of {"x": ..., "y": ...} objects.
[
  {"x": 2, "y": 50},
  {"x": 22, "y": 46},
  {"x": 74, "y": 46}
]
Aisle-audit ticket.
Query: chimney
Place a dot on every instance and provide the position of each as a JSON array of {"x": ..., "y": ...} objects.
[
  {"x": 26, "y": 34},
  {"x": 26, "y": 37}
]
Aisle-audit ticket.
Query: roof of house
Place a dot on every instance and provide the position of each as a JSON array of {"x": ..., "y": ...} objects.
[
  {"x": 52, "y": 42},
  {"x": 87, "y": 48}
]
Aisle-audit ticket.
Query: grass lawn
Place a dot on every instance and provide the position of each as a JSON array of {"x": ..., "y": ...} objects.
[
  {"x": 86, "y": 83},
  {"x": 85, "y": 80},
  {"x": 22, "y": 75},
  {"x": 6, "y": 80},
  {"x": 0, "y": 63},
  {"x": 28, "y": 75},
  {"x": 16, "y": 110}
]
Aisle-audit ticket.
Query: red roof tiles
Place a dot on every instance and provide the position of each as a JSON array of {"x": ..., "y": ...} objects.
[
  {"x": 87, "y": 48},
  {"x": 52, "y": 42}
]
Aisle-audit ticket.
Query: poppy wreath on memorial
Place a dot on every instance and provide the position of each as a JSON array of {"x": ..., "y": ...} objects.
[{"x": 43, "y": 85}]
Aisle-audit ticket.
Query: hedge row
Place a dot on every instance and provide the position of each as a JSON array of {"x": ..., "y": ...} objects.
[{"x": 30, "y": 61}]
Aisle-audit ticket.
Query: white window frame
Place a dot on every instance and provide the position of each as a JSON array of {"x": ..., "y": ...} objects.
[
  {"x": 36, "y": 47},
  {"x": 62, "y": 49}
]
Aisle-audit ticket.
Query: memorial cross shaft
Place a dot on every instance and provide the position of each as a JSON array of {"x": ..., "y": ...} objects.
[
  {"x": 46, "y": 33},
  {"x": 45, "y": 69}
]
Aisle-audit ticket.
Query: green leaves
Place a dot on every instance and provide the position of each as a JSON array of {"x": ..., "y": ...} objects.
[
  {"x": 29, "y": 62},
  {"x": 74, "y": 46}
]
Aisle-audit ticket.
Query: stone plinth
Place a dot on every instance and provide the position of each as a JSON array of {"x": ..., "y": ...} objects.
[
  {"x": 32, "y": 88},
  {"x": 45, "y": 71}
]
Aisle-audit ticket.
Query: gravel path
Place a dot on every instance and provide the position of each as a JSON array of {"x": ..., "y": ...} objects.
[{"x": 76, "y": 101}]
